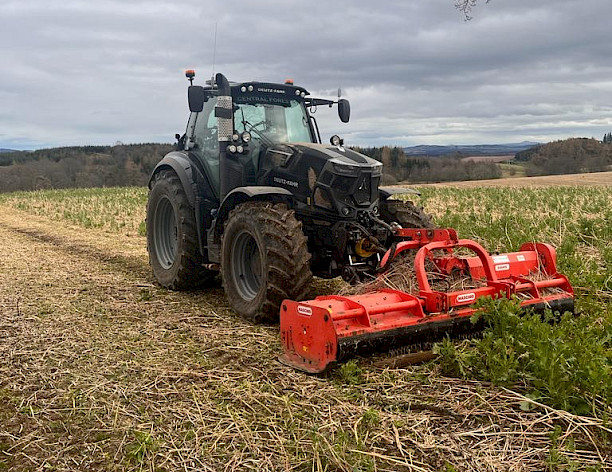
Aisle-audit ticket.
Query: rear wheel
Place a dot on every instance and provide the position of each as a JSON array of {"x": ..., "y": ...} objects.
[
  {"x": 407, "y": 214},
  {"x": 172, "y": 239},
  {"x": 264, "y": 260}
]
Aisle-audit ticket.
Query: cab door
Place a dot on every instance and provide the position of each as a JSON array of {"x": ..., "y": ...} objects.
[{"x": 203, "y": 141}]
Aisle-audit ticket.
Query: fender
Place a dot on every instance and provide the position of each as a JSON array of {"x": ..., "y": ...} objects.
[
  {"x": 183, "y": 167},
  {"x": 242, "y": 194},
  {"x": 386, "y": 192},
  {"x": 236, "y": 197}
]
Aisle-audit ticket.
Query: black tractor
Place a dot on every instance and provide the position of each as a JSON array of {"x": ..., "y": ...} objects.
[{"x": 251, "y": 192}]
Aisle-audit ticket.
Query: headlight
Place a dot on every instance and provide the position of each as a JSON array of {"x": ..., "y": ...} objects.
[
  {"x": 246, "y": 137},
  {"x": 231, "y": 148},
  {"x": 239, "y": 149},
  {"x": 345, "y": 169},
  {"x": 377, "y": 170},
  {"x": 235, "y": 136}
]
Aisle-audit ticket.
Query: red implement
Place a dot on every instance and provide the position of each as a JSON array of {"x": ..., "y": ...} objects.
[{"x": 317, "y": 333}]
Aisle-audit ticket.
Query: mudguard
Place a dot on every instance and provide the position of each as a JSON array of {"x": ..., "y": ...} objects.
[
  {"x": 236, "y": 197},
  {"x": 183, "y": 167},
  {"x": 255, "y": 192},
  {"x": 386, "y": 192}
]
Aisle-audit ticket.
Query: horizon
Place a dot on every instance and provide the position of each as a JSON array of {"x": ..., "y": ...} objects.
[{"x": 3, "y": 147}]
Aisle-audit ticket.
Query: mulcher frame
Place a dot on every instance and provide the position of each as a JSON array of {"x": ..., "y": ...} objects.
[{"x": 317, "y": 333}]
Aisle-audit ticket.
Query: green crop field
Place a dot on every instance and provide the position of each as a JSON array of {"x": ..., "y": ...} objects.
[
  {"x": 104, "y": 370},
  {"x": 110, "y": 209},
  {"x": 568, "y": 365}
]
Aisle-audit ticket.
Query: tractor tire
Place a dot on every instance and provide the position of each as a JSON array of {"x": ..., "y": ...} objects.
[
  {"x": 264, "y": 260},
  {"x": 407, "y": 214},
  {"x": 172, "y": 239}
]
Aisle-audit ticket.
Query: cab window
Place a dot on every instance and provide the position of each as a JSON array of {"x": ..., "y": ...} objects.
[{"x": 206, "y": 141}]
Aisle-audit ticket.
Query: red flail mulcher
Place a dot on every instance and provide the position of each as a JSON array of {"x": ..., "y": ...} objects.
[{"x": 449, "y": 275}]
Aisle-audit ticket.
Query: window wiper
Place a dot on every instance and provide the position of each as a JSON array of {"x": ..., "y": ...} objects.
[{"x": 251, "y": 129}]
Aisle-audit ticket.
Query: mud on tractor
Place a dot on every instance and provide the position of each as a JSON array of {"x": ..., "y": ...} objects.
[{"x": 251, "y": 192}]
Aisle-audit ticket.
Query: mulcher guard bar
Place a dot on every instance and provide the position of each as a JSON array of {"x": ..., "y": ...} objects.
[{"x": 317, "y": 333}]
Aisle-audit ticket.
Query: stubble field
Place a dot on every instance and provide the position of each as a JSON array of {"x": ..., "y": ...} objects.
[{"x": 104, "y": 370}]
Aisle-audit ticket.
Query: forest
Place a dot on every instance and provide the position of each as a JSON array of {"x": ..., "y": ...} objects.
[
  {"x": 568, "y": 156},
  {"x": 401, "y": 168},
  {"x": 80, "y": 166},
  {"x": 131, "y": 164}
]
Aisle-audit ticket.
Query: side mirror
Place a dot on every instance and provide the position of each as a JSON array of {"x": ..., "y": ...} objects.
[
  {"x": 196, "y": 97},
  {"x": 344, "y": 110}
]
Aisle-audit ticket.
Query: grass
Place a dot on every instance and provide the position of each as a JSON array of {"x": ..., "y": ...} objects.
[
  {"x": 577, "y": 221},
  {"x": 569, "y": 364},
  {"x": 566, "y": 364},
  {"x": 515, "y": 169},
  {"x": 104, "y": 370}
]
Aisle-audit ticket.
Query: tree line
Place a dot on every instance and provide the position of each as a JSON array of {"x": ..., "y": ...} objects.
[
  {"x": 80, "y": 166},
  {"x": 398, "y": 167},
  {"x": 568, "y": 156},
  {"x": 132, "y": 164}
]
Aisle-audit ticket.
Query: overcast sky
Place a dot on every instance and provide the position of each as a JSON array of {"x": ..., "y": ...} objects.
[{"x": 78, "y": 72}]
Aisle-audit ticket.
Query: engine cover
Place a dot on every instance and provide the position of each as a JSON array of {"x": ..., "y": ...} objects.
[{"x": 332, "y": 179}]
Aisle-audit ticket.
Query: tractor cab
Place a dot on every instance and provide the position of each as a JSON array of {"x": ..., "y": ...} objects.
[{"x": 261, "y": 117}]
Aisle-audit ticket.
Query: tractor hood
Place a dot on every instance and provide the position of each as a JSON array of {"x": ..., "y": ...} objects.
[
  {"x": 343, "y": 159},
  {"x": 333, "y": 178}
]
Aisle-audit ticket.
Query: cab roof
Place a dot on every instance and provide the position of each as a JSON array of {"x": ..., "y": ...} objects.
[{"x": 286, "y": 89}]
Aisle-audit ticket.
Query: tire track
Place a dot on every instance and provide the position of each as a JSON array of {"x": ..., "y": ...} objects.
[{"x": 131, "y": 264}]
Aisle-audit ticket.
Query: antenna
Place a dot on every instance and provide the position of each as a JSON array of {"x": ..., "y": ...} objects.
[{"x": 212, "y": 79}]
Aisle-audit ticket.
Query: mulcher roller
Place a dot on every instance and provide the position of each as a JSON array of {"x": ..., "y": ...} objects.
[{"x": 316, "y": 334}]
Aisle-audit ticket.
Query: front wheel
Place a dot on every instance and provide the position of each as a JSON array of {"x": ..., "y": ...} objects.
[
  {"x": 264, "y": 260},
  {"x": 407, "y": 214}
]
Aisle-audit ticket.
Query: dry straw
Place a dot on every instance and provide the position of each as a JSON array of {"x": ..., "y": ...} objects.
[{"x": 103, "y": 370}]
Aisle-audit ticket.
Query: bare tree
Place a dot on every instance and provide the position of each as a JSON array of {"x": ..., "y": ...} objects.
[{"x": 466, "y": 6}]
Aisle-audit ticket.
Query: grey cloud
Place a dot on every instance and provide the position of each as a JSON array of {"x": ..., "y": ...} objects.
[{"x": 79, "y": 72}]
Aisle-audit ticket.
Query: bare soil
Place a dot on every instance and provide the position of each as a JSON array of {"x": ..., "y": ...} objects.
[
  {"x": 590, "y": 179},
  {"x": 102, "y": 369},
  {"x": 501, "y": 158}
]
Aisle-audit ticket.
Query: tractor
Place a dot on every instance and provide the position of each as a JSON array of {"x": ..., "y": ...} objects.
[{"x": 252, "y": 193}]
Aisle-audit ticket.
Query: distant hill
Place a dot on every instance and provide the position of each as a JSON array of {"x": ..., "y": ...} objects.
[
  {"x": 469, "y": 150},
  {"x": 7, "y": 150}
]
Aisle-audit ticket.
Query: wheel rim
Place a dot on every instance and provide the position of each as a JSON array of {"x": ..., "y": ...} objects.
[
  {"x": 165, "y": 233},
  {"x": 246, "y": 265}
]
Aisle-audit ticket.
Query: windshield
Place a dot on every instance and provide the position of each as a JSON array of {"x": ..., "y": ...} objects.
[{"x": 274, "y": 123}]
